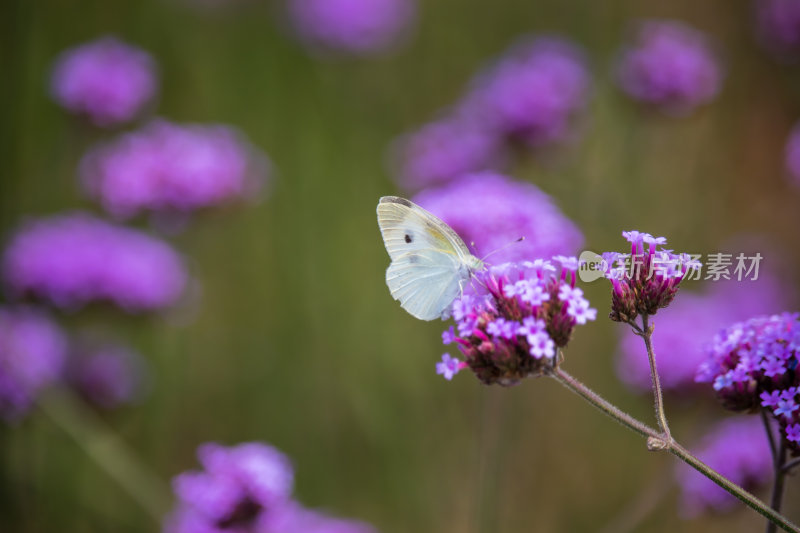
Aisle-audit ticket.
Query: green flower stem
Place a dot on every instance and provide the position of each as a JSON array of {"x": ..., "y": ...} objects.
[
  {"x": 646, "y": 333},
  {"x": 108, "y": 450},
  {"x": 660, "y": 441},
  {"x": 777, "y": 483}
]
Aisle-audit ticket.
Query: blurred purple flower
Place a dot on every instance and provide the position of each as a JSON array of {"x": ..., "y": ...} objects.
[
  {"x": 358, "y": 27},
  {"x": 72, "y": 259},
  {"x": 671, "y": 66},
  {"x": 736, "y": 448},
  {"x": 510, "y": 331},
  {"x": 165, "y": 167},
  {"x": 443, "y": 150},
  {"x": 107, "y": 376},
  {"x": 107, "y": 80},
  {"x": 32, "y": 354},
  {"x": 533, "y": 92},
  {"x": 778, "y": 27},
  {"x": 492, "y": 211},
  {"x": 684, "y": 330},
  {"x": 245, "y": 488}
]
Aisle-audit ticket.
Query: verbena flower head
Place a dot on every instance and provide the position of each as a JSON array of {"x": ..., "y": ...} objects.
[
  {"x": 166, "y": 167},
  {"x": 647, "y": 279},
  {"x": 534, "y": 91},
  {"x": 106, "y": 80},
  {"x": 754, "y": 364},
  {"x": 492, "y": 211},
  {"x": 107, "y": 376},
  {"x": 671, "y": 66},
  {"x": 515, "y": 327},
  {"x": 737, "y": 449},
  {"x": 778, "y": 27},
  {"x": 32, "y": 354},
  {"x": 444, "y": 150},
  {"x": 246, "y": 488},
  {"x": 73, "y": 259},
  {"x": 703, "y": 314},
  {"x": 358, "y": 27},
  {"x": 237, "y": 489}
]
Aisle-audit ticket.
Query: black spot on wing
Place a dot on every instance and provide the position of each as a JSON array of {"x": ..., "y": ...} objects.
[{"x": 409, "y": 239}]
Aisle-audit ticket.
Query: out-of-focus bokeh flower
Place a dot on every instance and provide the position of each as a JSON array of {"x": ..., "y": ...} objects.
[
  {"x": 492, "y": 211},
  {"x": 166, "y": 167},
  {"x": 514, "y": 328},
  {"x": 444, "y": 150},
  {"x": 107, "y": 80},
  {"x": 671, "y": 66},
  {"x": 778, "y": 27},
  {"x": 107, "y": 376},
  {"x": 533, "y": 92},
  {"x": 358, "y": 27},
  {"x": 73, "y": 259},
  {"x": 246, "y": 487},
  {"x": 32, "y": 354},
  {"x": 736, "y": 448},
  {"x": 702, "y": 316}
]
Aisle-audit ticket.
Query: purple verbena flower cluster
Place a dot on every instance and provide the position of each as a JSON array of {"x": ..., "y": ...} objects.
[
  {"x": 737, "y": 449},
  {"x": 107, "y": 376},
  {"x": 492, "y": 211},
  {"x": 73, "y": 259},
  {"x": 166, "y": 167},
  {"x": 359, "y": 27},
  {"x": 778, "y": 27},
  {"x": 753, "y": 365},
  {"x": 106, "y": 80},
  {"x": 644, "y": 281},
  {"x": 33, "y": 350},
  {"x": 246, "y": 488},
  {"x": 533, "y": 94},
  {"x": 516, "y": 327},
  {"x": 534, "y": 91},
  {"x": 443, "y": 150},
  {"x": 671, "y": 66}
]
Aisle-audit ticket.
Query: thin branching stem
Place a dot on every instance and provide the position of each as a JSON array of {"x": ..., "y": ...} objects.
[
  {"x": 791, "y": 464},
  {"x": 777, "y": 483},
  {"x": 768, "y": 428},
  {"x": 646, "y": 333},
  {"x": 659, "y": 441}
]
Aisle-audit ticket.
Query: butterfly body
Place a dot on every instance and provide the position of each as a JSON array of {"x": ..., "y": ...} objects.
[{"x": 430, "y": 263}]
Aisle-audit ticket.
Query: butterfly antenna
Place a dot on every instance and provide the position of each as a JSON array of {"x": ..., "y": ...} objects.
[{"x": 503, "y": 248}]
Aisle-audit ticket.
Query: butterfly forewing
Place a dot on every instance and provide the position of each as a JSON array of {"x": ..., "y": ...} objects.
[
  {"x": 406, "y": 227},
  {"x": 430, "y": 262}
]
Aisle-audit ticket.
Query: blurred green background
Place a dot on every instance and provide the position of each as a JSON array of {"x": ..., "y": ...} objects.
[{"x": 296, "y": 340}]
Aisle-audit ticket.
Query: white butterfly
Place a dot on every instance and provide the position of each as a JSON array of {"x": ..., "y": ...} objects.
[{"x": 430, "y": 262}]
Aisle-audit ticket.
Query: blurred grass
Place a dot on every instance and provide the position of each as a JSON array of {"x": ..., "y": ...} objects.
[{"x": 296, "y": 340}]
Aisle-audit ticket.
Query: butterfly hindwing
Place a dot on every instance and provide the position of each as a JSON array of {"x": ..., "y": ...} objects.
[{"x": 426, "y": 282}]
